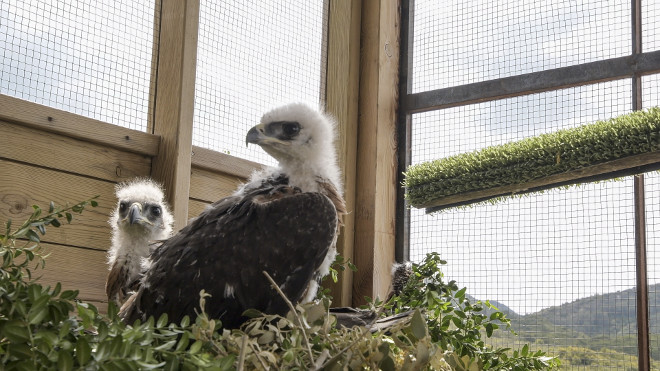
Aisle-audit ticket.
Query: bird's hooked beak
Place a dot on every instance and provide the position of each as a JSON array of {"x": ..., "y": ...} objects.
[
  {"x": 134, "y": 215},
  {"x": 258, "y": 135},
  {"x": 255, "y": 135}
]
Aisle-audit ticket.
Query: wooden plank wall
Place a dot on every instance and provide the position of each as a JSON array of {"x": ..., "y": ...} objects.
[{"x": 55, "y": 156}]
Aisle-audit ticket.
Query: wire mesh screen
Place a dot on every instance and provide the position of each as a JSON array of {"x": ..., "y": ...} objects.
[
  {"x": 451, "y": 131},
  {"x": 650, "y": 25},
  {"x": 89, "y": 57},
  {"x": 251, "y": 57},
  {"x": 561, "y": 263},
  {"x": 651, "y": 98},
  {"x": 460, "y": 42}
]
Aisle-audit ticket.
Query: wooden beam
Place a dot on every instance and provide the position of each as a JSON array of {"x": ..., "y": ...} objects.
[
  {"x": 376, "y": 150},
  {"x": 404, "y": 130},
  {"x": 343, "y": 69},
  {"x": 219, "y": 162},
  {"x": 75, "y": 156},
  {"x": 211, "y": 186},
  {"x": 535, "y": 82},
  {"x": 626, "y": 166},
  {"x": 175, "y": 98},
  {"x": 196, "y": 207},
  {"x": 52, "y": 120}
]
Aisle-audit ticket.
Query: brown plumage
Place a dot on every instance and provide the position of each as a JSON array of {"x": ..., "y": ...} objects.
[{"x": 284, "y": 221}]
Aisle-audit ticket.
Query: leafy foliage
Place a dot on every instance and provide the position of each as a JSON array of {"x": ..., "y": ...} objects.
[
  {"x": 340, "y": 264},
  {"x": 459, "y": 325},
  {"x": 535, "y": 158},
  {"x": 44, "y": 328}
]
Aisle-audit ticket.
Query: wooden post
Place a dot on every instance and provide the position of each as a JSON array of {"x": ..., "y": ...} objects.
[
  {"x": 342, "y": 87},
  {"x": 175, "y": 97},
  {"x": 376, "y": 150}
]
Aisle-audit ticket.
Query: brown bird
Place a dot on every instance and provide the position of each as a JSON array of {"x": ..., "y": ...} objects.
[
  {"x": 140, "y": 218},
  {"x": 283, "y": 221}
]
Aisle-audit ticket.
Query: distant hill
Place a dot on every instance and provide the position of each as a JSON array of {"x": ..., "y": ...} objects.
[
  {"x": 598, "y": 322},
  {"x": 606, "y": 314},
  {"x": 500, "y": 306}
]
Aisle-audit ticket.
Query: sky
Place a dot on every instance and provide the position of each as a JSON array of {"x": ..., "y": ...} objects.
[{"x": 94, "y": 58}]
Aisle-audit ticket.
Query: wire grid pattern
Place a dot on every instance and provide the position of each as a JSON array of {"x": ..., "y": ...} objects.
[
  {"x": 650, "y": 25},
  {"x": 536, "y": 254},
  {"x": 651, "y": 98},
  {"x": 448, "y": 132},
  {"x": 253, "y": 56},
  {"x": 461, "y": 42},
  {"x": 89, "y": 57}
]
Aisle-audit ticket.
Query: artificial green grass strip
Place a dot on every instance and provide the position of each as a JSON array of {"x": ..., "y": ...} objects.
[{"x": 535, "y": 157}]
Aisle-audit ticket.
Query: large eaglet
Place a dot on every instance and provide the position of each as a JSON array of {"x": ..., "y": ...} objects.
[{"x": 283, "y": 221}]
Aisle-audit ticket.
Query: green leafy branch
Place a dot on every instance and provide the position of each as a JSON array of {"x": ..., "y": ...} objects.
[
  {"x": 457, "y": 324},
  {"x": 28, "y": 234}
]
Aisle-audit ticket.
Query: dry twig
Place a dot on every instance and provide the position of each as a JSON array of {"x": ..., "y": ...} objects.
[
  {"x": 241, "y": 355},
  {"x": 295, "y": 314}
]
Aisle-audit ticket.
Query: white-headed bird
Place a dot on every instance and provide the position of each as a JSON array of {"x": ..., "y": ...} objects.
[
  {"x": 283, "y": 221},
  {"x": 141, "y": 218}
]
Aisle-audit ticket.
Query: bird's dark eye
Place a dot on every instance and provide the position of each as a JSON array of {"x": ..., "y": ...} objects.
[
  {"x": 156, "y": 210},
  {"x": 123, "y": 205},
  {"x": 290, "y": 129}
]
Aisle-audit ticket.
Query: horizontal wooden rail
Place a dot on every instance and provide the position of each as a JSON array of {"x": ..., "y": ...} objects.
[
  {"x": 219, "y": 162},
  {"x": 535, "y": 82},
  {"x": 75, "y": 126}
]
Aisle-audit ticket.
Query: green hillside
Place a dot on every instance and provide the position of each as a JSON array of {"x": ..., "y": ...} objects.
[
  {"x": 598, "y": 331},
  {"x": 613, "y": 313}
]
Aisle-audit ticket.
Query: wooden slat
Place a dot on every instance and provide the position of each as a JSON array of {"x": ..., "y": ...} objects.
[
  {"x": 376, "y": 156},
  {"x": 404, "y": 130},
  {"x": 75, "y": 126},
  {"x": 175, "y": 101},
  {"x": 196, "y": 207},
  {"x": 209, "y": 186},
  {"x": 22, "y": 186},
  {"x": 222, "y": 163},
  {"x": 535, "y": 82},
  {"x": 342, "y": 102},
  {"x": 607, "y": 170},
  {"x": 76, "y": 269},
  {"x": 56, "y": 151}
]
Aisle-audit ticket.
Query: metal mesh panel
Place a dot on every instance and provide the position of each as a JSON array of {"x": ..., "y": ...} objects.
[
  {"x": 251, "y": 57},
  {"x": 651, "y": 97},
  {"x": 536, "y": 255},
  {"x": 462, "y": 42},
  {"x": 89, "y": 57},
  {"x": 438, "y": 134},
  {"x": 650, "y": 25}
]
